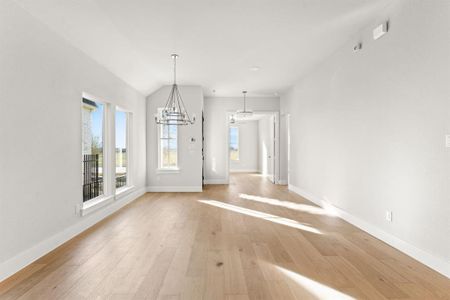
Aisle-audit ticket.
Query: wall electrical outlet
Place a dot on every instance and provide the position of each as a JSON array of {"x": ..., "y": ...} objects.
[{"x": 389, "y": 216}]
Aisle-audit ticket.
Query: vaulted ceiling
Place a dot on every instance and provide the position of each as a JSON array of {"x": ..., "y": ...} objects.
[{"x": 219, "y": 41}]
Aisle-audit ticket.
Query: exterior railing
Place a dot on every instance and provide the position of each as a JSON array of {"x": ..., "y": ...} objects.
[
  {"x": 121, "y": 181},
  {"x": 92, "y": 179}
]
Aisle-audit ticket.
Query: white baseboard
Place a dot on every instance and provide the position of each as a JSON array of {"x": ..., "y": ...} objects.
[
  {"x": 436, "y": 263},
  {"x": 282, "y": 182},
  {"x": 216, "y": 181},
  {"x": 163, "y": 189},
  {"x": 23, "y": 259},
  {"x": 244, "y": 171}
]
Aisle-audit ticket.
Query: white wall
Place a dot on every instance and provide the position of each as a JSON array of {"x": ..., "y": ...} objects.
[
  {"x": 248, "y": 147},
  {"x": 284, "y": 153},
  {"x": 368, "y": 130},
  {"x": 189, "y": 178},
  {"x": 216, "y": 148},
  {"x": 42, "y": 79}
]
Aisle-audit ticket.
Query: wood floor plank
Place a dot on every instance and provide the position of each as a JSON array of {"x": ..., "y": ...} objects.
[
  {"x": 152, "y": 282},
  {"x": 247, "y": 240}
]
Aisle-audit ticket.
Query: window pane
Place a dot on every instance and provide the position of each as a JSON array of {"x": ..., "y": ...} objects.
[
  {"x": 173, "y": 144},
  {"x": 92, "y": 149},
  {"x": 172, "y": 155},
  {"x": 234, "y": 143},
  {"x": 164, "y": 131},
  {"x": 168, "y": 146},
  {"x": 164, "y": 153},
  {"x": 173, "y": 131},
  {"x": 121, "y": 149}
]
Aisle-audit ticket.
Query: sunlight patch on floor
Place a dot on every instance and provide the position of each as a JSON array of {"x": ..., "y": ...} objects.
[
  {"x": 317, "y": 289},
  {"x": 262, "y": 215},
  {"x": 288, "y": 204}
]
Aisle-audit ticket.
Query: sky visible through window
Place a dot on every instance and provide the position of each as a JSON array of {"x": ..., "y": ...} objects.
[
  {"x": 121, "y": 125},
  {"x": 97, "y": 124}
]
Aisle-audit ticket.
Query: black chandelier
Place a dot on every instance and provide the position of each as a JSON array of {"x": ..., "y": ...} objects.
[{"x": 174, "y": 112}]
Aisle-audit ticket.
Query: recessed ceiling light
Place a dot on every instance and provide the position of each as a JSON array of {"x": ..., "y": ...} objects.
[{"x": 254, "y": 68}]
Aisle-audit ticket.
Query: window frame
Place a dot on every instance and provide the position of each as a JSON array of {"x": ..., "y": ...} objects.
[
  {"x": 106, "y": 195},
  {"x": 161, "y": 167},
  {"x": 238, "y": 143},
  {"x": 129, "y": 147}
]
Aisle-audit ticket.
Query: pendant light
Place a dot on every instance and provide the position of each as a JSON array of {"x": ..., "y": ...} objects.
[
  {"x": 244, "y": 113},
  {"x": 174, "y": 112}
]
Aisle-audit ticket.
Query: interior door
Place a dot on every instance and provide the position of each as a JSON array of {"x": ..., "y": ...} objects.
[{"x": 271, "y": 151}]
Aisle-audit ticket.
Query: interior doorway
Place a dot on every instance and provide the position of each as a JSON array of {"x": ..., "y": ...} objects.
[{"x": 253, "y": 144}]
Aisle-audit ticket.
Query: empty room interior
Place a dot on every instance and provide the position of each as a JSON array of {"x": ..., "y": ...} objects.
[{"x": 235, "y": 150}]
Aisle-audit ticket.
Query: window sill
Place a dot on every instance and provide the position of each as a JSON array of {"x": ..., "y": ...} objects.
[
  {"x": 167, "y": 171},
  {"x": 123, "y": 191},
  {"x": 94, "y": 204}
]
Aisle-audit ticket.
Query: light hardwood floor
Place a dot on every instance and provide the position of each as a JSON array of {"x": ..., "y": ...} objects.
[{"x": 248, "y": 240}]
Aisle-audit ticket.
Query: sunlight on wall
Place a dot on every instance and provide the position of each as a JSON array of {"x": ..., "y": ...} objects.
[
  {"x": 317, "y": 289},
  {"x": 261, "y": 215},
  {"x": 288, "y": 204}
]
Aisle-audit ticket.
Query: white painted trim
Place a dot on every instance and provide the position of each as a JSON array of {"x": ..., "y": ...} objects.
[
  {"x": 244, "y": 171},
  {"x": 158, "y": 135},
  {"x": 163, "y": 189},
  {"x": 95, "y": 204},
  {"x": 436, "y": 263},
  {"x": 276, "y": 154},
  {"x": 168, "y": 170},
  {"x": 216, "y": 181},
  {"x": 124, "y": 191},
  {"x": 23, "y": 259}
]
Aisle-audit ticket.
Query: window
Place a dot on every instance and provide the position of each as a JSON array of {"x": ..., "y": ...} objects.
[
  {"x": 93, "y": 116},
  {"x": 168, "y": 146},
  {"x": 122, "y": 149},
  {"x": 234, "y": 143}
]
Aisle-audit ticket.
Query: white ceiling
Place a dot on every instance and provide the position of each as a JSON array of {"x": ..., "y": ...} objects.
[{"x": 217, "y": 40}]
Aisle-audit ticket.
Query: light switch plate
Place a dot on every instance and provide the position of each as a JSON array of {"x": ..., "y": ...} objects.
[{"x": 389, "y": 216}]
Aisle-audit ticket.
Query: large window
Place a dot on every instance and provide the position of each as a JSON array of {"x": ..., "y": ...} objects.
[
  {"x": 93, "y": 116},
  {"x": 168, "y": 146},
  {"x": 122, "y": 149},
  {"x": 234, "y": 143}
]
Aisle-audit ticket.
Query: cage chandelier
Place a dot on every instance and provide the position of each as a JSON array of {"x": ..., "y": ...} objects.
[
  {"x": 174, "y": 112},
  {"x": 244, "y": 113}
]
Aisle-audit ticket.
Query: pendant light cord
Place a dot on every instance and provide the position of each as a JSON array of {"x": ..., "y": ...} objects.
[{"x": 174, "y": 68}]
